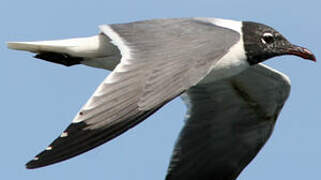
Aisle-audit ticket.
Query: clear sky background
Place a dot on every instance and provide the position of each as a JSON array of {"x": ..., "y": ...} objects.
[{"x": 39, "y": 99}]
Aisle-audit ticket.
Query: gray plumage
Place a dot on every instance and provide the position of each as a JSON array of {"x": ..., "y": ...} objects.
[
  {"x": 233, "y": 100},
  {"x": 227, "y": 123},
  {"x": 165, "y": 58}
]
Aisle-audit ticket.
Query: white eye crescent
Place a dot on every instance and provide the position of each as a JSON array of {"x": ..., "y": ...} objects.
[{"x": 267, "y": 38}]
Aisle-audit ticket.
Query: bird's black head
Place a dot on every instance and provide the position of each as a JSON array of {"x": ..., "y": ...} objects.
[{"x": 262, "y": 42}]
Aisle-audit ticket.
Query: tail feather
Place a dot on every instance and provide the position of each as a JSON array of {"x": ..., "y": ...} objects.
[
  {"x": 68, "y": 51},
  {"x": 88, "y": 47},
  {"x": 39, "y": 46}
]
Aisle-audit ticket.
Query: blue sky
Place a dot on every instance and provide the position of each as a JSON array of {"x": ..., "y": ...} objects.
[{"x": 39, "y": 99}]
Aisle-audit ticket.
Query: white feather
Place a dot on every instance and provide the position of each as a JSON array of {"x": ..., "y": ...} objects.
[{"x": 87, "y": 47}]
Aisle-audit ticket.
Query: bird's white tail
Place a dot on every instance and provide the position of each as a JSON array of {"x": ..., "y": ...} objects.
[
  {"x": 96, "y": 51},
  {"x": 88, "y": 47}
]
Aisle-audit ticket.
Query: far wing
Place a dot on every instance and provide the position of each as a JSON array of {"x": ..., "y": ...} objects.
[
  {"x": 227, "y": 123},
  {"x": 160, "y": 60}
]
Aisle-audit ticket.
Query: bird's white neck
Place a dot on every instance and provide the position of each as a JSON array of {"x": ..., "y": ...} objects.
[{"x": 233, "y": 62}]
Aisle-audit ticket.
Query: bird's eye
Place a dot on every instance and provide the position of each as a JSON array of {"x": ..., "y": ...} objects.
[{"x": 267, "y": 38}]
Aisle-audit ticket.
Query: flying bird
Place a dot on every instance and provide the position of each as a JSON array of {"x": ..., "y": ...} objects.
[{"x": 213, "y": 64}]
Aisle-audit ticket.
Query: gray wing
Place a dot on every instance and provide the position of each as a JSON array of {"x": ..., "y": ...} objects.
[
  {"x": 227, "y": 124},
  {"x": 160, "y": 60}
]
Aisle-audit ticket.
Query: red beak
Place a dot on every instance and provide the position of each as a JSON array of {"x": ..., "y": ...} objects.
[{"x": 301, "y": 52}]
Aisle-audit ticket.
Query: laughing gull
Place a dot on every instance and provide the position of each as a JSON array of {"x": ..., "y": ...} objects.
[{"x": 214, "y": 64}]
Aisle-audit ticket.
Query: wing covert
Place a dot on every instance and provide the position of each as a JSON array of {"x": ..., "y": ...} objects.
[{"x": 160, "y": 60}]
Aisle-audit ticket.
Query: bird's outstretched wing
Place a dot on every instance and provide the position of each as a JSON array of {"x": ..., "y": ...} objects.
[
  {"x": 227, "y": 123},
  {"x": 160, "y": 60}
]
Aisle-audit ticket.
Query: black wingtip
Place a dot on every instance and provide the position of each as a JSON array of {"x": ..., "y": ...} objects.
[
  {"x": 30, "y": 165},
  {"x": 77, "y": 139},
  {"x": 49, "y": 155},
  {"x": 37, "y": 163},
  {"x": 33, "y": 164}
]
